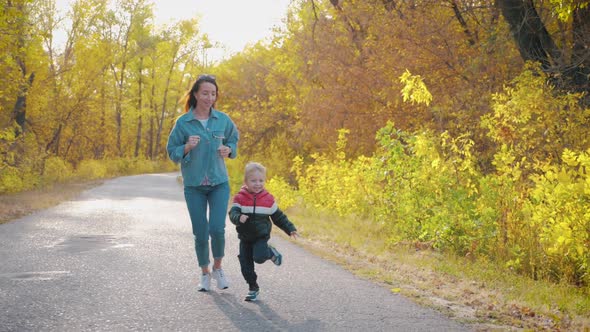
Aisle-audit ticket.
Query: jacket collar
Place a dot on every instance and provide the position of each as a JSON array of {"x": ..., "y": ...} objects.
[
  {"x": 188, "y": 116},
  {"x": 245, "y": 192}
]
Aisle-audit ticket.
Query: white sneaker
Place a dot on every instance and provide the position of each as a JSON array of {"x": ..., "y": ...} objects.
[
  {"x": 219, "y": 276},
  {"x": 205, "y": 283}
]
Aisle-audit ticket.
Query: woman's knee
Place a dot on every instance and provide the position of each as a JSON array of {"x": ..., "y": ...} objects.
[
  {"x": 217, "y": 234},
  {"x": 201, "y": 242}
]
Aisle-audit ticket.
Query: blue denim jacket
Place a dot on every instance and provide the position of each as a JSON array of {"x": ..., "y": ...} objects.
[{"x": 203, "y": 165}]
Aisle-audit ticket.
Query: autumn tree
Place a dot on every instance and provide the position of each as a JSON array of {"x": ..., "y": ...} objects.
[
  {"x": 24, "y": 69},
  {"x": 556, "y": 34},
  {"x": 88, "y": 96},
  {"x": 65, "y": 99},
  {"x": 177, "y": 55},
  {"x": 261, "y": 89},
  {"x": 20, "y": 42},
  {"x": 356, "y": 51}
]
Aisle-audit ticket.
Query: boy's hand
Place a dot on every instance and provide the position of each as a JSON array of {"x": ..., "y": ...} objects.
[
  {"x": 243, "y": 218},
  {"x": 294, "y": 235}
]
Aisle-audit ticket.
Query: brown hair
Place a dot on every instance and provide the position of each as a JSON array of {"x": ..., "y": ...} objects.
[{"x": 189, "y": 99}]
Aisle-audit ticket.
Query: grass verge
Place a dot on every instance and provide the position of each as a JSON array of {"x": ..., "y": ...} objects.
[
  {"x": 483, "y": 295},
  {"x": 13, "y": 206}
]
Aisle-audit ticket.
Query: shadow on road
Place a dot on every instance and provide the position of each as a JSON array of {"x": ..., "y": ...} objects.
[{"x": 258, "y": 316}]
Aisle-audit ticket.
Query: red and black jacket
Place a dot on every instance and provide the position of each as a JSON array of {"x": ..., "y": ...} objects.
[{"x": 261, "y": 209}]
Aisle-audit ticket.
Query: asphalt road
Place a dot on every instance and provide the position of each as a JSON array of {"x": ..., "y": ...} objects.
[{"x": 121, "y": 258}]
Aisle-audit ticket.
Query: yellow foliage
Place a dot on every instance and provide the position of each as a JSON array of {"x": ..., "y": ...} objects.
[
  {"x": 91, "y": 170},
  {"x": 414, "y": 89},
  {"x": 56, "y": 170},
  {"x": 10, "y": 180},
  {"x": 559, "y": 206},
  {"x": 428, "y": 189},
  {"x": 566, "y": 8},
  {"x": 331, "y": 183},
  {"x": 535, "y": 122},
  {"x": 284, "y": 194}
]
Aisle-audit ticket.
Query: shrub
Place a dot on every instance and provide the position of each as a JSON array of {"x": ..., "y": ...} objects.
[
  {"x": 10, "y": 180},
  {"x": 91, "y": 170},
  {"x": 56, "y": 170},
  {"x": 285, "y": 195},
  {"x": 559, "y": 208}
]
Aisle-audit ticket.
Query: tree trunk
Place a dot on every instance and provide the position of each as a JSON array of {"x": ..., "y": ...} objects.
[
  {"x": 536, "y": 44},
  {"x": 139, "y": 109},
  {"x": 20, "y": 106},
  {"x": 459, "y": 17},
  {"x": 153, "y": 117},
  {"x": 53, "y": 145},
  {"x": 529, "y": 32},
  {"x": 162, "y": 116},
  {"x": 138, "y": 136},
  {"x": 581, "y": 51},
  {"x": 119, "y": 106}
]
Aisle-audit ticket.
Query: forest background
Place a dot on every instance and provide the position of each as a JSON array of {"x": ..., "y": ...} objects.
[{"x": 453, "y": 125}]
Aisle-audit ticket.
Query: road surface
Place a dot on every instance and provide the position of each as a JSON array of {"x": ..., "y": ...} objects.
[{"x": 120, "y": 258}]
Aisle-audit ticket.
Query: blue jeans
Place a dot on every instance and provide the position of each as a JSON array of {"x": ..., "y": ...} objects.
[{"x": 197, "y": 199}]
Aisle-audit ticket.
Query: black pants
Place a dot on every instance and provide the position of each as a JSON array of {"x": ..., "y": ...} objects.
[{"x": 250, "y": 253}]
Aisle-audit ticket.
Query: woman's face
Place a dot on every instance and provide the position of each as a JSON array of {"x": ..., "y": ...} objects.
[{"x": 206, "y": 95}]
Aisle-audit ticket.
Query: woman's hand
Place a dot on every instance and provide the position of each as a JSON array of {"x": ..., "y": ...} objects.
[
  {"x": 192, "y": 142},
  {"x": 243, "y": 218},
  {"x": 294, "y": 235},
  {"x": 224, "y": 151}
]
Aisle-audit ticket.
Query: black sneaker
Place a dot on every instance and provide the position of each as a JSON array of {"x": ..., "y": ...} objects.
[{"x": 278, "y": 258}]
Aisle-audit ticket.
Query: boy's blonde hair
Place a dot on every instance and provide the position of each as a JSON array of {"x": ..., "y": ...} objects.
[{"x": 252, "y": 167}]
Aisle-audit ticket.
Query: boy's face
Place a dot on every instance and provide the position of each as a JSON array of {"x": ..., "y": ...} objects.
[{"x": 255, "y": 182}]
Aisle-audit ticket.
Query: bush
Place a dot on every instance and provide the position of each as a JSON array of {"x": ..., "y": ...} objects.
[
  {"x": 285, "y": 195},
  {"x": 559, "y": 208},
  {"x": 91, "y": 170},
  {"x": 56, "y": 170},
  {"x": 10, "y": 180}
]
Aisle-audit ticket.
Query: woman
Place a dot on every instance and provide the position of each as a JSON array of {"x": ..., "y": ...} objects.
[{"x": 200, "y": 140}]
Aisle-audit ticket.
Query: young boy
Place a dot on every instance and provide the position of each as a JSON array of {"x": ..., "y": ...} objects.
[{"x": 252, "y": 212}]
